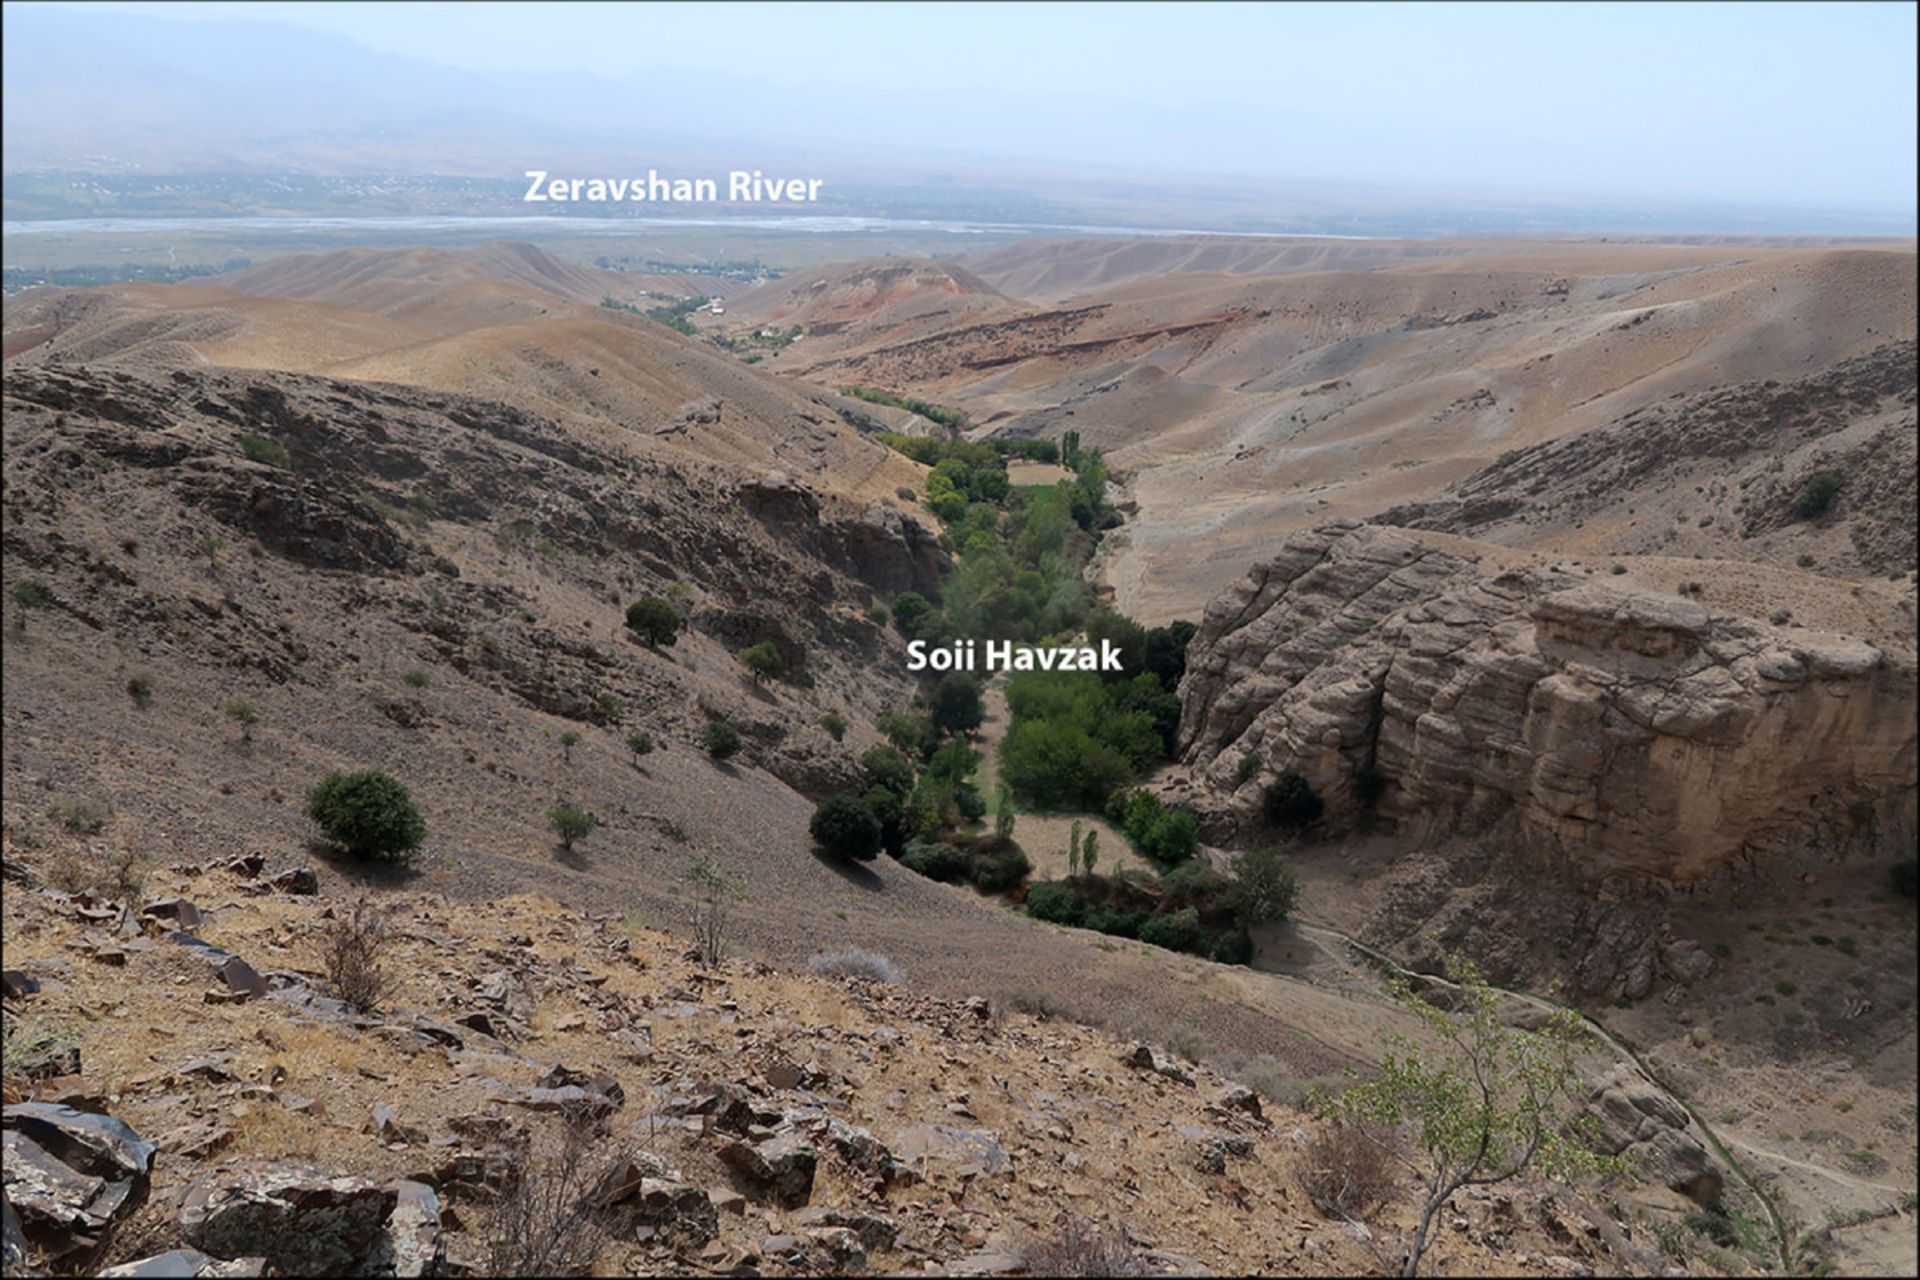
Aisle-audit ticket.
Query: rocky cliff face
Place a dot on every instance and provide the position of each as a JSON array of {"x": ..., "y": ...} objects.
[{"x": 1636, "y": 735}]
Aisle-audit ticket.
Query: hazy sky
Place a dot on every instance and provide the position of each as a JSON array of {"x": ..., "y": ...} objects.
[{"x": 1811, "y": 105}]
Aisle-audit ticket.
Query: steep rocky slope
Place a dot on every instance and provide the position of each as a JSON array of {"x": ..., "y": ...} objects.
[
  {"x": 1624, "y": 733},
  {"x": 1719, "y": 475},
  {"x": 751, "y": 1121}
]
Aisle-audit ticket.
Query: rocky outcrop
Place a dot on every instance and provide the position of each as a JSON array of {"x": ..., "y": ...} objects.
[
  {"x": 303, "y": 1221},
  {"x": 1634, "y": 735},
  {"x": 1636, "y": 1118},
  {"x": 71, "y": 1176}
]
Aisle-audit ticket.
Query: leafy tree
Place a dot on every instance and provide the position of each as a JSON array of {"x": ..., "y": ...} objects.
[
  {"x": 1126, "y": 635},
  {"x": 654, "y": 621},
  {"x": 1290, "y": 802},
  {"x": 1172, "y": 838},
  {"x": 721, "y": 740},
  {"x": 934, "y": 860},
  {"x": 846, "y": 827},
  {"x": 1480, "y": 1102},
  {"x": 763, "y": 662},
  {"x": 568, "y": 741},
  {"x": 367, "y": 814},
  {"x": 570, "y": 822},
  {"x": 1073, "y": 850},
  {"x": 1167, "y": 653},
  {"x": 835, "y": 724},
  {"x": 888, "y": 768},
  {"x": 955, "y": 705},
  {"x": 1090, "y": 852},
  {"x": 1264, "y": 889},
  {"x": 640, "y": 744},
  {"x": 1003, "y": 815}
]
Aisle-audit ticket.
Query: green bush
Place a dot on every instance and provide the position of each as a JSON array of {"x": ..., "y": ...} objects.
[
  {"x": 1290, "y": 802},
  {"x": 1172, "y": 838},
  {"x": 82, "y": 817},
  {"x": 1175, "y": 930},
  {"x": 888, "y": 768},
  {"x": 416, "y": 679},
  {"x": 641, "y": 744},
  {"x": 763, "y": 662},
  {"x": 570, "y": 822},
  {"x": 1002, "y": 871},
  {"x": 1817, "y": 494},
  {"x": 935, "y": 861},
  {"x": 654, "y": 621},
  {"x": 270, "y": 452},
  {"x": 368, "y": 815},
  {"x": 890, "y": 811},
  {"x": 1248, "y": 766},
  {"x": 1056, "y": 901},
  {"x": 845, "y": 827},
  {"x": 835, "y": 725},
  {"x": 721, "y": 740}
]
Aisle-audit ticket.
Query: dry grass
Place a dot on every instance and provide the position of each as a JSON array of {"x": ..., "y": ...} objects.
[
  {"x": 354, "y": 945},
  {"x": 852, "y": 962},
  {"x": 1081, "y": 1248},
  {"x": 1346, "y": 1173}
]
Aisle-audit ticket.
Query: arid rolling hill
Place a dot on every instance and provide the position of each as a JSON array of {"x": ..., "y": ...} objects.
[
  {"x": 508, "y": 322},
  {"x": 1242, "y": 406}
]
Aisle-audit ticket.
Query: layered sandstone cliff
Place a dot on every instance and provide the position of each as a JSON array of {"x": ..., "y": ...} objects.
[{"x": 1632, "y": 732}]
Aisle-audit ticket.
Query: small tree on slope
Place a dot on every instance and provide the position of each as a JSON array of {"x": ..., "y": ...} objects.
[{"x": 1479, "y": 1103}]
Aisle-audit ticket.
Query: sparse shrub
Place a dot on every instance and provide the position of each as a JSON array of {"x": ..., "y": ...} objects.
[
  {"x": 269, "y": 452},
  {"x": 1805, "y": 560},
  {"x": 1290, "y": 802},
  {"x": 30, "y": 1051},
  {"x": 140, "y": 687},
  {"x": 721, "y": 740},
  {"x": 1081, "y": 1248},
  {"x": 835, "y": 724},
  {"x": 846, "y": 827},
  {"x": 570, "y": 822},
  {"x": 878, "y": 615},
  {"x": 416, "y": 679},
  {"x": 29, "y": 594},
  {"x": 1248, "y": 766},
  {"x": 568, "y": 741},
  {"x": 851, "y": 962},
  {"x": 354, "y": 944},
  {"x": 551, "y": 1217},
  {"x": 654, "y": 621},
  {"x": 640, "y": 744},
  {"x": 1817, "y": 493},
  {"x": 713, "y": 894},
  {"x": 211, "y": 545},
  {"x": 81, "y": 817},
  {"x": 763, "y": 662},
  {"x": 243, "y": 713},
  {"x": 612, "y": 710},
  {"x": 1478, "y": 1101},
  {"x": 368, "y": 815}
]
